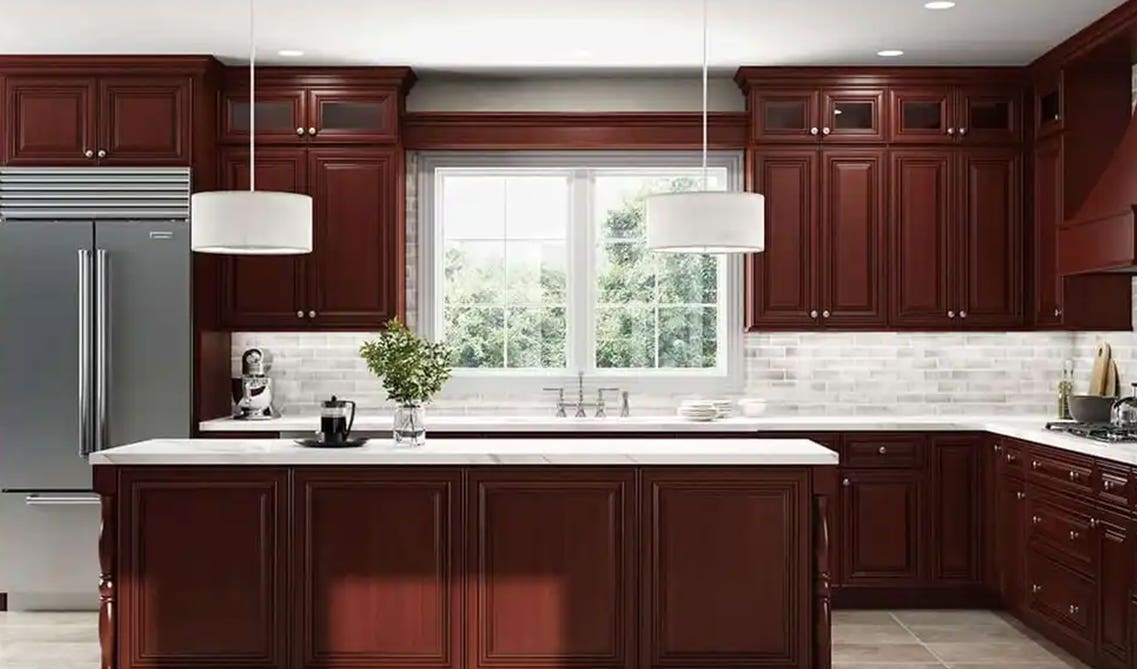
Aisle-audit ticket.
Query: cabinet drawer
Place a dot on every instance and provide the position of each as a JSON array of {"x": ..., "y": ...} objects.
[
  {"x": 1060, "y": 596},
  {"x": 1060, "y": 471},
  {"x": 1112, "y": 485},
  {"x": 1060, "y": 528},
  {"x": 1010, "y": 456},
  {"x": 883, "y": 451}
]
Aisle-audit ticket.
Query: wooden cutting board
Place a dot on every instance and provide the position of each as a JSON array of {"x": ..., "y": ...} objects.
[{"x": 1102, "y": 362}]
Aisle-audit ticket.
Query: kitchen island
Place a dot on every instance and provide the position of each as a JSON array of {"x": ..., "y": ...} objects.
[{"x": 478, "y": 553}]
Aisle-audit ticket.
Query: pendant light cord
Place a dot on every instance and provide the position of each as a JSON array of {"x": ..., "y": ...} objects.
[
  {"x": 252, "y": 95},
  {"x": 705, "y": 94}
]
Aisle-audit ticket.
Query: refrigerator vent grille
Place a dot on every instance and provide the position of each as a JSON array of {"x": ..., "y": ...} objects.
[{"x": 88, "y": 193}]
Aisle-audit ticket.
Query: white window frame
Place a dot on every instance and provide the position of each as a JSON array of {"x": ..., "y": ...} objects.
[{"x": 726, "y": 377}]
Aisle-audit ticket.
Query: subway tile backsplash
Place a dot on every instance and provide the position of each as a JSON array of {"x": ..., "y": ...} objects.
[{"x": 807, "y": 373}]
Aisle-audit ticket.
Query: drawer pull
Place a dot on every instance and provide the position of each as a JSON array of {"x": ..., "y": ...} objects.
[
  {"x": 1034, "y": 464},
  {"x": 882, "y": 450},
  {"x": 1074, "y": 476},
  {"x": 1011, "y": 458},
  {"x": 1093, "y": 523},
  {"x": 1074, "y": 608},
  {"x": 1108, "y": 485},
  {"x": 845, "y": 482},
  {"x": 1074, "y": 535},
  {"x": 1020, "y": 495},
  {"x": 1035, "y": 589},
  {"x": 998, "y": 448},
  {"x": 1035, "y": 520}
]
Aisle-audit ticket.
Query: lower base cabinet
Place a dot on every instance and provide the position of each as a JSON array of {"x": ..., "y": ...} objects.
[
  {"x": 454, "y": 568},
  {"x": 880, "y": 528},
  {"x": 1115, "y": 569}
]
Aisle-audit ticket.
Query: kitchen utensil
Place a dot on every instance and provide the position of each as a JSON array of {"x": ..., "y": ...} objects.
[
  {"x": 1111, "y": 384},
  {"x": 255, "y": 402},
  {"x": 1091, "y": 408},
  {"x": 1124, "y": 412},
  {"x": 335, "y": 421},
  {"x": 1101, "y": 365}
]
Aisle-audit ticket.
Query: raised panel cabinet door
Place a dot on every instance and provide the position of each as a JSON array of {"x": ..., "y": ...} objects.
[
  {"x": 779, "y": 115},
  {"x": 281, "y": 116},
  {"x": 1010, "y": 540},
  {"x": 992, "y": 239},
  {"x": 1048, "y": 213},
  {"x": 881, "y": 527},
  {"x": 725, "y": 567},
  {"x": 990, "y": 115},
  {"x": 202, "y": 568},
  {"x": 955, "y": 529},
  {"x": 145, "y": 121},
  {"x": 921, "y": 116},
  {"x": 356, "y": 267},
  {"x": 383, "y": 589},
  {"x": 50, "y": 121},
  {"x": 264, "y": 292},
  {"x": 352, "y": 116},
  {"x": 1115, "y": 573},
  {"x": 782, "y": 279},
  {"x": 853, "y": 115},
  {"x": 550, "y": 568},
  {"x": 923, "y": 232},
  {"x": 852, "y": 239}
]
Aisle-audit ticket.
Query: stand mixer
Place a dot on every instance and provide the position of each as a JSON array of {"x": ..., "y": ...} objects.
[{"x": 255, "y": 401}]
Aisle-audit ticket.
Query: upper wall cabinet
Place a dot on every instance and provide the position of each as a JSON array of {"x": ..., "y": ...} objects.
[
  {"x": 317, "y": 105},
  {"x": 83, "y": 121},
  {"x": 948, "y": 115},
  {"x": 838, "y": 115}
]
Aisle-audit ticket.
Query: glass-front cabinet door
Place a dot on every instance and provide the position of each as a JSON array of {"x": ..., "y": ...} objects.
[
  {"x": 853, "y": 115},
  {"x": 280, "y": 116},
  {"x": 988, "y": 116},
  {"x": 922, "y": 116},
  {"x": 351, "y": 116},
  {"x": 785, "y": 115}
]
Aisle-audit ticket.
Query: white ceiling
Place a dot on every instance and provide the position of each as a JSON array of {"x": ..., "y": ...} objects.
[{"x": 578, "y": 36}]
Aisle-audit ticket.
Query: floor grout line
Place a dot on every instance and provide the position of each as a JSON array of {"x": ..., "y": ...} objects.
[{"x": 918, "y": 640}]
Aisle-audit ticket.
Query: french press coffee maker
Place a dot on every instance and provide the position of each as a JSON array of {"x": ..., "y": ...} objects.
[{"x": 335, "y": 421}]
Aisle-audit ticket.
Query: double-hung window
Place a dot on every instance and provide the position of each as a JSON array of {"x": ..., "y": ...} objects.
[{"x": 535, "y": 265}]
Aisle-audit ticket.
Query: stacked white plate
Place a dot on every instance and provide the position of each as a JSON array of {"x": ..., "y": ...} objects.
[{"x": 700, "y": 410}]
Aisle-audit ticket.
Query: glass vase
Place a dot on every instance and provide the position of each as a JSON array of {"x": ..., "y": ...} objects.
[{"x": 410, "y": 425}]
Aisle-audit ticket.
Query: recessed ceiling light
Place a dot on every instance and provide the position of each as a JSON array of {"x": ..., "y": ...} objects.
[
  {"x": 890, "y": 53},
  {"x": 939, "y": 4},
  {"x": 290, "y": 53}
]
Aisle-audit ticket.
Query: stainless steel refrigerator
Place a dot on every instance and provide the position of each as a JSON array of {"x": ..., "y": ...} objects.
[{"x": 95, "y": 351}]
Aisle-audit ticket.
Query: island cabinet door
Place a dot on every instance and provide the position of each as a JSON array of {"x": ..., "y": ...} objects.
[
  {"x": 550, "y": 568},
  {"x": 202, "y": 561},
  {"x": 376, "y": 580},
  {"x": 726, "y": 568}
]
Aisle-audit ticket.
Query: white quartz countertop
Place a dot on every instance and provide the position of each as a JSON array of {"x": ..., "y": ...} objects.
[
  {"x": 504, "y": 451},
  {"x": 1028, "y": 428}
]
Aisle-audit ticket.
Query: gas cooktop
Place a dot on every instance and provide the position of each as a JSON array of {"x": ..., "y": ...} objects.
[{"x": 1105, "y": 432}]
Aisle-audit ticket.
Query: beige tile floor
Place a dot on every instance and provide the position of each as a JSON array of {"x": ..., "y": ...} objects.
[{"x": 861, "y": 640}]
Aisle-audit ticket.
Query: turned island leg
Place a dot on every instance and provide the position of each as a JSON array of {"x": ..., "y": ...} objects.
[
  {"x": 822, "y": 614},
  {"x": 107, "y": 557}
]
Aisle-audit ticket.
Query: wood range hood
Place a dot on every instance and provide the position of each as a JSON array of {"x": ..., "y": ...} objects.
[{"x": 1102, "y": 235}]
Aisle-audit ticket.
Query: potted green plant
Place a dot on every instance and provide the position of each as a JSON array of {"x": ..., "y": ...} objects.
[{"x": 412, "y": 372}]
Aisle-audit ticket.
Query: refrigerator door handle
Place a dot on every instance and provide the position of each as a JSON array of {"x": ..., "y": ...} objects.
[
  {"x": 101, "y": 349},
  {"x": 59, "y": 500},
  {"x": 84, "y": 353}
]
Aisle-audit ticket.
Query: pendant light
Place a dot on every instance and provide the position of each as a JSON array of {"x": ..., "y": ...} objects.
[
  {"x": 706, "y": 221},
  {"x": 251, "y": 222}
]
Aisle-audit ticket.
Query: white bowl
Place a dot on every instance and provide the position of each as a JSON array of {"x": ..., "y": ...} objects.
[{"x": 752, "y": 407}]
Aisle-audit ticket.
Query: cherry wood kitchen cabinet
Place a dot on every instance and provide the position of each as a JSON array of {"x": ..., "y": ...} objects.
[
  {"x": 355, "y": 263},
  {"x": 956, "y": 238},
  {"x": 881, "y": 527},
  {"x": 355, "y": 583},
  {"x": 351, "y": 278},
  {"x": 1010, "y": 539},
  {"x": 552, "y": 557},
  {"x": 202, "y": 567},
  {"x": 1115, "y": 569},
  {"x": 706, "y": 602},
  {"x": 823, "y": 263},
  {"x": 971, "y": 114},
  {"x": 1096, "y": 301},
  {"x": 264, "y": 291},
  {"x": 86, "y": 121},
  {"x": 955, "y": 511},
  {"x": 838, "y": 115}
]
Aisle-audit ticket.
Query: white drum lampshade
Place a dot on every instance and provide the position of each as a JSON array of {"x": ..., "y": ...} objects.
[
  {"x": 251, "y": 222},
  {"x": 706, "y": 222}
]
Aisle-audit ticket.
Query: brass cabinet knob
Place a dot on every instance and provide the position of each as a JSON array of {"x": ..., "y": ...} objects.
[
  {"x": 997, "y": 447},
  {"x": 963, "y": 131},
  {"x": 1035, "y": 520},
  {"x": 882, "y": 450},
  {"x": 963, "y": 314},
  {"x": 825, "y": 131},
  {"x": 1011, "y": 457},
  {"x": 813, "y": 313},
  {"x": 1108, "y": 485},
  {"x": 89, "y": 153},
  {"x": 845, "y": 482},
  {"x": 1074, "y": 535},
  {"x": 311, "y": 131},
  {"x": 1020, "y": 495},
  {"x": 1074, "y": 608},
  {"x": 1057, "y": 312},
  {"x": 300, "y": 314},
  {"x": 312, "y": 314},
  {"x": 1034, "y": 464},
  {"x": 300, "y": 131},
  {"x": 825, "y": 314},
  {"x": 1093, "y": 523},
  {"x": 813, "y": 131},
  {"x": 1035, "y": 588},
  {"x": 951, "y": 131},
  {"x": 1073, "y": 476},
  {"x": 102, "y": 153}
]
